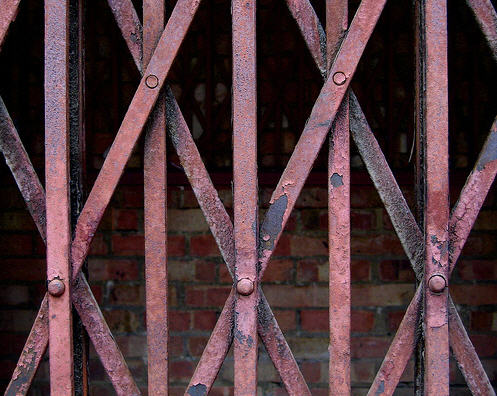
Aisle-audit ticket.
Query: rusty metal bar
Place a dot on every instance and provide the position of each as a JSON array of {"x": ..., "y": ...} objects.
[
  {"x": 465, "y": 354},
  {"x": 10, "y": 8},
  {"x": 472, "y": 196},
  {"x": 215, "y": 351},
  {"x": 338, "y": 217},
  {"x": 312, "y": 31},
  {"x": 384, "y": 181},
  {"x": 58, "y": 208},
  {"x": 31, "y": 355},
  {"x": 436, "y": 201},
  {"x": 399, "y": 352},
  {"x": 245, "y": 195},
  {"x": 20, "y": 165},
  {"x": 314, "y": 133},
  {"x": 131, "y": 127},
  {"x": 486, "y": 16},
  {"x": 100, "y": 335},
  {"x": 279, "y": 351},
  {"x": 155, "y": 216},
  {"x": 131, "y": 29}
]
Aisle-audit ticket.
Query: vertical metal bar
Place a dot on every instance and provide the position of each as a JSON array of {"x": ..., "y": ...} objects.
[
  {"x": 245, "y": 195},
  {"x": 338, "y": 216},
  {"x": 57, "y": 192},
  {"x": 436, "y": 213},
  {"x": 155, "y": 213}
]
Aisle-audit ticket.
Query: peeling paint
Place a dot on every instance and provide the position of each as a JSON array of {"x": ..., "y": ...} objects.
[
  {"x": 336, "y": 180},
  {"x": 273, "y": 221},
  {"x": 197, "y": 390}
]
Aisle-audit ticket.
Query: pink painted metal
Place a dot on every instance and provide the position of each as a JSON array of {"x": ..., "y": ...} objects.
[
  {"x": 245, "y": 196},
  {"x": 20, "y": 165},
  {"x": 155, "y": 213},
  {"x": 9, "y": 8},
  {"x": 100, "y": 335},
  {"x": 338, "y": 216},
  {"x": 486, "y": 16},
  {"x": 437, "y": 197},
  {"x": 322, "y": 115},
  {"x": 57, "y": 195}
]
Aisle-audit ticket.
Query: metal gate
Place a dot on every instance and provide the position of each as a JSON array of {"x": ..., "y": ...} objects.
[{"x": 432, "y": 244}]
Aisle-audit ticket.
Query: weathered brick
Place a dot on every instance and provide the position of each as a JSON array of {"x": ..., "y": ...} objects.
[
  {"x": 396, "y": 270},
  {"x": 125, "y": 219},
  {"x": 186, "y": 220},
  {"x": 113, "y": 269},
  {"x": 203, "y": 245}
]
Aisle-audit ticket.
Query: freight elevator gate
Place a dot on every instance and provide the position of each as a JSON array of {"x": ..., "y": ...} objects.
[{"x": 432, "y": 244}]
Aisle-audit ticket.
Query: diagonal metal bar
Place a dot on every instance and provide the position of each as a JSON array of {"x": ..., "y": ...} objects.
[
  {"x": 10, "y": 8},
  {"x": 322, "y": 115},
  {"x": 312, "y": 31},
  {"x": 486, "y": 16},
  {"x": 131, "y": 28},
  {"x": 399, "y": 352},
  {"x": 384, "y": 181},
  {"x": 155, "y": 217},
  {"x": 101, "y": 337},
  {"x": 20, "y": 165},
  {"x": 473, "y": 195},
  {"x": 31, "y": 355},
  {"x": 466, "y": 356},
  {"x": 131, "y": 127}
]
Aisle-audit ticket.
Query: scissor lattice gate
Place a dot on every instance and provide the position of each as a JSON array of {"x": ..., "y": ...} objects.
[{"x": 432, "y": 245}]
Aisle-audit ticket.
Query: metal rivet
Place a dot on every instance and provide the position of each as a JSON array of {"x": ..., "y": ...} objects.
[
  {"x": 339, "y": 78},
  {"x": 245, "y": 287},
  {"x": 437, "y": 283},
  {"x": 56, "y": 287},
  {"x": 152, "y": 81}
]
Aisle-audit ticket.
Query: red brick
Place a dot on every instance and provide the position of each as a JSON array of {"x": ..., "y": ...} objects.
[
  {"x": 125, "y": 219},
  {"x": 485, "y": 344},
  {"x": 203, "y": 245},
  {"x": 123, "y": 321},
  {"x": 132, "y": 197},
  {"x": 196, "y": 345},
  {"x": 113, "y": 269},
  {"x": 181, "y": 370},
  {"x": 315, "y": 321},
  {"x": 483, "y": 321},
  {"x": 283, "y": 246},
  {"x": 362, "y": 371},
  {"x": 362, "y": 321},
  {"x": 186, "y": 220},
  {"x": 307, "y": 246},
  {"x": 286, "y": 319},
  {"x": 179, "y": 321},
  {"x": 132, "y": 346},
  {"x": 362, "y": 220},
  {"x": 382, "y": 295},
  {"x": 296, "y": 296},
  {"x": 369, "y": 347},
  {"x": 128, "y": 245},
  {"x": 376, "y": 244},
  {"x": 311, "y": 371},
  {"x": 205, "y": 271},
  {"x": 23, "y": 269},
  {"x": 396, "y": 270},
  {"x": 360, "y": 270},
  {"x": 224, "y": 275},
  {"x": 366, "y": 197},
  {"x": 313, "y": 197},
  {"x": 308, "y": 270},
  {"x": 394, "y": 319},
  {"x": 175, "y": 245},
  {"x": 204, "y": 320},
  {"x": 98, "y": 245},
  {"x": 477, "y": 269},
  {"x": 201, "y": 296},
  {"x": 176, "y": 346},
  {"x": 127, "y": 295},
  {"x": 474, "y": 294},
  {"x": 279, "y": 271}
]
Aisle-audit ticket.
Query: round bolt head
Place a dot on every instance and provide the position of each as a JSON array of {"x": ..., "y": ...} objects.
[
  {"x": 56, "y": 287},
  {"x": 339, "y": 78},
  {"x": 437, "y": 283},
  {"x": 245, "y": 287},
  {"x": 152, "y": 81}
]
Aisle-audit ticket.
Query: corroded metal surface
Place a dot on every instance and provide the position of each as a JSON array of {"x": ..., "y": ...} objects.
[
  {"x": 322, "y": 115},
  {"x": 245, "y": 196},
  {"x": 155, "y": 216},
  {"x": 20, "y": 165},
  {"x": 436, "y": 207},
  {"x": 338, "y": 214},
  {"x": 58, "y": 209},
  {"x": 9, "y": 9},
  {"x": 100, "y": 335}
]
